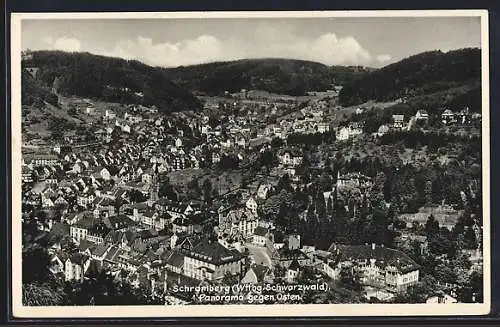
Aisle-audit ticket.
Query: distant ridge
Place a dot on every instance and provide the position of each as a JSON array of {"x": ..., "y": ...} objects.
[
  {"x": 418, "y": 75},
  {"x": 275, "y": 75},
  {"x": 110, "y": 79}
]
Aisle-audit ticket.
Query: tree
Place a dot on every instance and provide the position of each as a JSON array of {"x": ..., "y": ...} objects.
[
  {"x": 194, "y": 188},
  {"x": 329, "y": 206},
  {"x": 473, "y": 289},
  {"x": 207, "y": 191},
  {"x": 377, "y": 190},
  {"x": 267, "y": 159},
  {"x": 470, "y": 240},
  {"x": 276, "y": 142},
  {"x": 351, "y": 278},
  {"x": 461, "y": 266},
  {"x": 167, "y": 190},
  {"x": 284, "y": 183},
  {"x": 419, "y": 292},
  {"x": 41, "y": 295},
  {"x": 431, "y": 227},
  {"x": 229, "y": 279},
  {"x": 228, "y": 162},
  {"x": 273, "y": 205},
  {"x": 118, "y": 204},
  {"x": 72, "y": 110},
  {"x": 35, "y": 263},
  {"x": 320, "y": 207},
  {"x": 137, "y": 196},
  {"x": 445, "y": 274},
  {"x": 380, "y": 225}
]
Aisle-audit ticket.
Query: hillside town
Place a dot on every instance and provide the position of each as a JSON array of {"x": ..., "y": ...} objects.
[{"x": 257, "y": 198}]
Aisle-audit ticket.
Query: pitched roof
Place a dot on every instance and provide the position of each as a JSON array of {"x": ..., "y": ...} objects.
[
  {"x": 85, "y": 222},
  {"x": 78, "y": 258},
  {"x": 213, "y": 252},
  {"x": 119, "y": 222},
  {"x": 260, "y": 231},
  {"x": 100, "y": 250},
  {"x": 286, "y": 254},
  {"x": 112, "y": 253},
  {"x": 60, "y": 229},
  {"x": 260, "y": 271},
  {"x": 84, "y": 245},
  {"x": 182, "y": 221},
  {"x": 294, "y": 265},
  {"x": 384, "y": 256},
  {"x": 175, "y": 258}
]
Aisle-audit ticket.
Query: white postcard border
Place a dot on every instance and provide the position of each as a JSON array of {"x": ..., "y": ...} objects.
[{"x": 243, "y": 310}]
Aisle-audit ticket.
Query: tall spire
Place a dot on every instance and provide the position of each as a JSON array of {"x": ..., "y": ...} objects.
[{"x": 154, "y": 188}]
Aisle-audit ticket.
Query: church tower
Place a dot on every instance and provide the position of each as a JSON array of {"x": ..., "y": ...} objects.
[{"x": 154, "y": 188}]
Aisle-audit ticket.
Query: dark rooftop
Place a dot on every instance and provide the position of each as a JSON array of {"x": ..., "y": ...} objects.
[
  {"x": 213, "y": 252},
  {"x": 384, "y": 256}
]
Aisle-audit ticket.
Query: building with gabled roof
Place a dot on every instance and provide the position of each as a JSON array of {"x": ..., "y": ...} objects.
[
  {"x": 75, "y": 267},
  {"x": 174, "y": 261},
  {"x": 379, "y": 266},
  {"x": 260, "y": 236},
  {"x": 293, "y": 271},
  {"x": 258, "y": 274},
  {"x": 448, "y": 116},
  {"x": 422, "y": 115},
  {"x": 210, "y": 260},
  {"x": 119, "y": 222}
]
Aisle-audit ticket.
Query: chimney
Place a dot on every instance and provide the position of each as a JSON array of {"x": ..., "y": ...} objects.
[{"x": 373, "y": 246}]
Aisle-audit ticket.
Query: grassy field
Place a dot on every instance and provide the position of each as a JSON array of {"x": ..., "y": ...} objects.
[
  {"x": 344, "y": 113},
  {"x": 445, "y": 215},
  {"x": 223, "y": 182}
]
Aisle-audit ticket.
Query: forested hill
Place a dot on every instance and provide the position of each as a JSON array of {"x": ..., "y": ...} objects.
[
  {"x": 422, "y": 74},
  {"x": 110, "y": 79},
  {"x": 282, "y": 76},
  {"x": 33, "y": 92}
]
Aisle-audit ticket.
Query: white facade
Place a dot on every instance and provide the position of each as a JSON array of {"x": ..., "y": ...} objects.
[
  {"x": 78, "y": 233},
  {"x": 75, "y": 271},
  {"x": 252, "y": 205},
  {"x": 201, "y": 269}
]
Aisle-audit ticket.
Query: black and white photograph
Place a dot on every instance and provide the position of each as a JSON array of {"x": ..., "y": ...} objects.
[{"x": 250, "y": 164}]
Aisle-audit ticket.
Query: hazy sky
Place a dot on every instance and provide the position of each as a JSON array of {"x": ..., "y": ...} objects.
[{"x": 375, "y": 41}]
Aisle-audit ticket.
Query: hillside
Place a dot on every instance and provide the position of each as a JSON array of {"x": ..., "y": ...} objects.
[
  {"x": 109, "y": 79},
  {"x": 33, "y": 92},
  {"x": 281, "y": 76},
  {"x": 421, "y": 75}
]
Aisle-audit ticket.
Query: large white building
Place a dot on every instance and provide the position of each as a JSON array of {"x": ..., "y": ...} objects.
[
  {"x": 379, "y": 266},
  {"x": 210, "y": 260},
  {"x": 291, "y": 158},
  {"x": 79, "y": 230},
  {"x": 242, "y": 221},
  {"x": 76, "y": 266}
]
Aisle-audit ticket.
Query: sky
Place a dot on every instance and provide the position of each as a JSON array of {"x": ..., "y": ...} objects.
[{"x": 366, "y": 41}]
